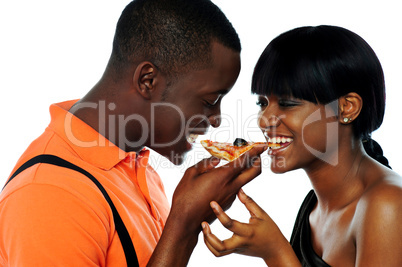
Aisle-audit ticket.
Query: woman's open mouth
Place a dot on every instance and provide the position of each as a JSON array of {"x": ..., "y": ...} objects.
[{"x": 280, "y": 141}]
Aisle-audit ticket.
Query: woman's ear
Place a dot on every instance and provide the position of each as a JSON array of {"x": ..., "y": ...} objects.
[
  {"x": 144, "y": 79},
  {"x": 350, "y": 106}
]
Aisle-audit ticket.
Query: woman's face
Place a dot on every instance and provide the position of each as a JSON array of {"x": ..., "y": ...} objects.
[{"x": 307, "y": 132}]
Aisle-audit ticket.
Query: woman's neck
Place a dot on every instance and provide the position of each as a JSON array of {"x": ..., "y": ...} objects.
[{"x": 338, "y": 185}]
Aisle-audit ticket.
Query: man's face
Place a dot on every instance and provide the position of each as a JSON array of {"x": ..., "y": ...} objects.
[{"x": 192, "y": 104}]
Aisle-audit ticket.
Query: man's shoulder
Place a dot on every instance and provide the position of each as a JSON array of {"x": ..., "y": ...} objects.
[{"x": 49, "y": 177}]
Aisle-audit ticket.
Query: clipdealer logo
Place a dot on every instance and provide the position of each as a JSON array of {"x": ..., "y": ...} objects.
[{"x": 231, "y": 127}]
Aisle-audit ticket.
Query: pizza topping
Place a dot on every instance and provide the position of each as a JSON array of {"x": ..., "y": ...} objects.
[
  {"x": 229, "y": 151},
  {"x": 240, "y": 142}
]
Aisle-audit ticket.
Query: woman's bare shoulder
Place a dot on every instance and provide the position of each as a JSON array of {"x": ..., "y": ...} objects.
[
  {"x": 385, "y": 191},
  {"x": 376, "y": 224},
  {"x": 381, "y": 201}
]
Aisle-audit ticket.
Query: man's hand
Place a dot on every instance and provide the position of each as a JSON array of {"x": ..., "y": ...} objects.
[
  {"x": 204, "y": 183},
  {"x": 200, "y": 185}
]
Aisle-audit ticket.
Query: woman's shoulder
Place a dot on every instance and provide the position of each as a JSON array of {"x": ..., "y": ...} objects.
[
  {"x": 376, "y": 223},
  {"x": 381, "y": 184},
  {"x": 382, "y": 200},
  {"x": 387, "y": 188}
]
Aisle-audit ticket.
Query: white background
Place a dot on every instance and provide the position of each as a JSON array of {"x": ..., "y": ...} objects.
[{"x": 51, "y": 51}]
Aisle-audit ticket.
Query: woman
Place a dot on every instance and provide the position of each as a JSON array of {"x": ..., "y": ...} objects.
[{"x": 321, "y": 92}]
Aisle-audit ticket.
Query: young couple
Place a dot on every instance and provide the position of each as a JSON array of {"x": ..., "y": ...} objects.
[{"x": 186, "y": 54}]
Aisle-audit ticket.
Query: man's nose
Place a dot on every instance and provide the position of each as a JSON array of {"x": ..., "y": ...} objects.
[{"x": 215, "y": 120}]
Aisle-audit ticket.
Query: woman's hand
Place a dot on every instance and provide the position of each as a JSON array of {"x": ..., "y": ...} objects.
[{"x": 261, "y": 237}]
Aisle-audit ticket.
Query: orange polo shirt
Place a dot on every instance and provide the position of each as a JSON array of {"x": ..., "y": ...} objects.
[{"x": 52, "y": 216}]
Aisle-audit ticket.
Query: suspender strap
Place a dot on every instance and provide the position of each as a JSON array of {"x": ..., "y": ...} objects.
[{"x": 128, "y": 247}]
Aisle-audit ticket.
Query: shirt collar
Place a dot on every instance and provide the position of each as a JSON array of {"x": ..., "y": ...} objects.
[{"x": 90, "y": 145}]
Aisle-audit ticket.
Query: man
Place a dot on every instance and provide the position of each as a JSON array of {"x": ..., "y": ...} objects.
[{"x": 171, "y": 64}]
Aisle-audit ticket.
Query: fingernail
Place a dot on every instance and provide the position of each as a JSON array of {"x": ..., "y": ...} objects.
[
  {"x": 241, "y": 191},
  {"x": 213, "y": 205},
  {"x": 203, "y": 225}
]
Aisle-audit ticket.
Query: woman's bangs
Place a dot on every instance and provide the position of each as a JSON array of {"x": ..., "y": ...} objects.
[{"x": 285, "y": 79}]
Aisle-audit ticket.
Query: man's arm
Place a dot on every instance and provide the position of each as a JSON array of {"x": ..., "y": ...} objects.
[{"x": 200, "y": 185}]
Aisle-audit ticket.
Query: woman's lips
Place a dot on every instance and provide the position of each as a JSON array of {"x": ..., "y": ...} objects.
[{"x": 282, "y": 142}]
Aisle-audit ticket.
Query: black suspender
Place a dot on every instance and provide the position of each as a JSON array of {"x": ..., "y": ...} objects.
[{"x": 128, "y": 247}]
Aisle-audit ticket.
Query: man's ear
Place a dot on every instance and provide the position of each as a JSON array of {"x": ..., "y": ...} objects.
[
  {"x": 144, "y": 79},
  {"x": 350, "y": 106}
]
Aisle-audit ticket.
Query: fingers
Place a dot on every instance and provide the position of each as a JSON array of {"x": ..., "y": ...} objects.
[
  {"x": 213, "y": 243},
  {"x": 234, "y": 226},
  {"x": 247, "y": 160},
  {"x": 253, "y": 153},
  {"x": 248, "y": 174},
  {"x": 216, "y": 246},
  {"x": 206, "y": 164},
  {"x": 254, "y": 209}
]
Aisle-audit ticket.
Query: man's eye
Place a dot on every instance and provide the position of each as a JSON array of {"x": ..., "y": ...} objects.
[
  {"x": 211, "y": 102},
  {"x": 208, "y": 104}
]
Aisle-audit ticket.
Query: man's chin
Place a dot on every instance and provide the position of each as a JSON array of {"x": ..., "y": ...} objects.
[
  {"x": 175, "y": 156},
  {"x": 177, "y": 159}
]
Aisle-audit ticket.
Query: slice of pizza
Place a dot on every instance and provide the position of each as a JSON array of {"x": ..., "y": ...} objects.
[{"x": 230, "y": 151}]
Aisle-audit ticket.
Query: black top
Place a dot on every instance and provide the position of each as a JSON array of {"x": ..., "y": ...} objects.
[{"x": 301, "y": 235}]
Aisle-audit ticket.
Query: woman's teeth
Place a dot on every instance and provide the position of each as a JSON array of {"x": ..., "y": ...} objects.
[
  {"x": 280, "y": 140},
  {"x": 191, "y": 138}
]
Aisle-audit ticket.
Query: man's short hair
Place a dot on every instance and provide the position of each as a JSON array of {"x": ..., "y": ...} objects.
[{"x": 175, "y": 35}]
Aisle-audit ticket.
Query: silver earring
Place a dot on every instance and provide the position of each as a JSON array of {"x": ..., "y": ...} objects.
[{"x": 346, "y": 120}]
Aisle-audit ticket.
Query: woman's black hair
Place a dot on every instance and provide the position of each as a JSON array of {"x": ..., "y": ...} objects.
[
  {"x": 320, "y": 64},
  {"x": 374, "y": 150}
]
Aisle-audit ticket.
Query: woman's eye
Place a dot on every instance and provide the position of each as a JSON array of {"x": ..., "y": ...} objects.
[
  {"x": 261, "y": 104},
  {"x": 288, "y": 103}
]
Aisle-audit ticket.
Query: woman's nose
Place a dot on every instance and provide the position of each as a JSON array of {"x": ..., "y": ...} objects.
[{"x": 268, "y": 121}]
